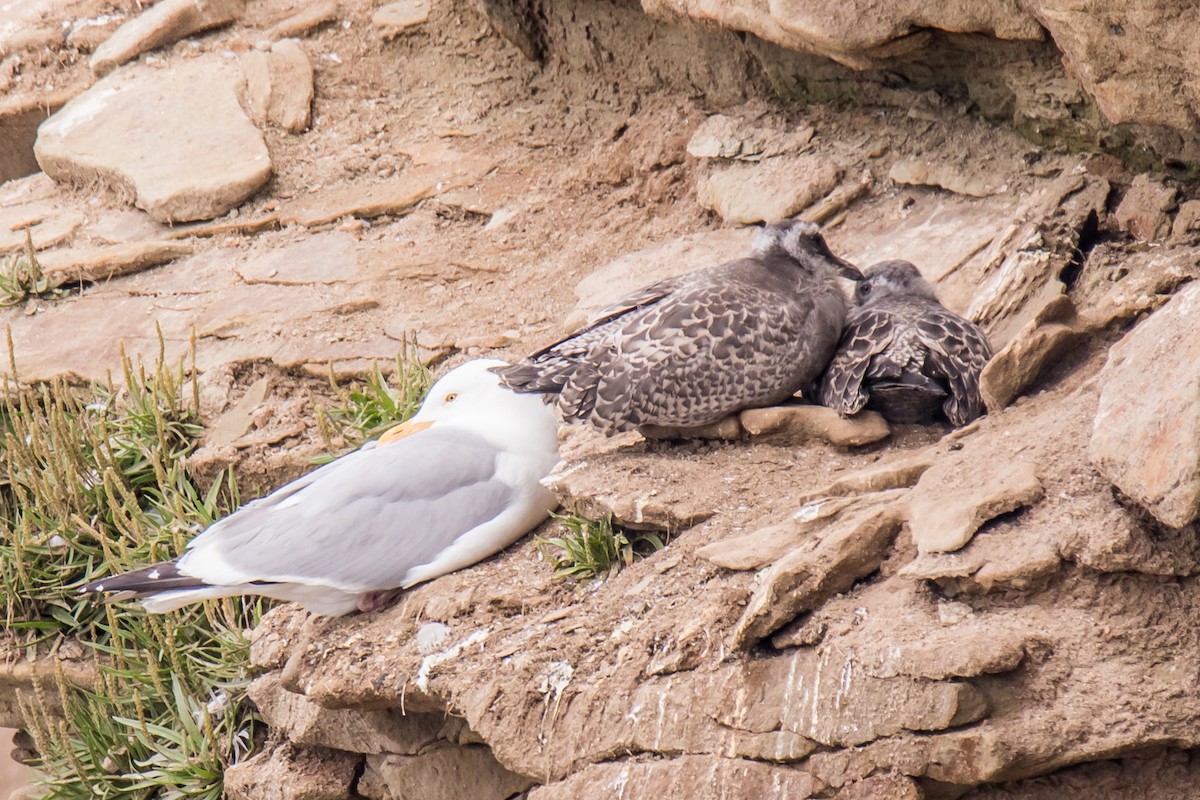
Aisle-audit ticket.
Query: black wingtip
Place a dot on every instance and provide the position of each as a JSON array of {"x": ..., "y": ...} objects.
[{"x": 160, "y": 577}]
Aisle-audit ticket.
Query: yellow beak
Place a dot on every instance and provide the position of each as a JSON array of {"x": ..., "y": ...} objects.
[{"x": 402, "y": 430}]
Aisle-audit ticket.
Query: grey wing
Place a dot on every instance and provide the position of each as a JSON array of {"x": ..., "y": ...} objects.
[
  {"x": 958, "y": 351},
  {"x": 867, "y": 334},
  {"x": 710, "y": 349},
  {"x": 363, "y": 525}
]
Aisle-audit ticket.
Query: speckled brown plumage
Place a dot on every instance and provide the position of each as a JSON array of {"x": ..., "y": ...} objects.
[
  {"x": 904, "y": 354},
  {"x": 691, "y": 350}
]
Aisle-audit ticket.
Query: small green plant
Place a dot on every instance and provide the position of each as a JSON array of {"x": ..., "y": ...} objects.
[
  {"x": 21, "y": 277},
  {"x": 364, "y": 411},
  {"x": 594, "y": 548},
  {"x": 92, "y": 482}
]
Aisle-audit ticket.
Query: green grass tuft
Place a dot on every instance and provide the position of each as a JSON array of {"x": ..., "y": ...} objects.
[
  {"x": 594, "y": 548},
  {"x": 21, "y": 277},
  {"x": 365, "y": 410},
  {"x": 92, "y": 482}
]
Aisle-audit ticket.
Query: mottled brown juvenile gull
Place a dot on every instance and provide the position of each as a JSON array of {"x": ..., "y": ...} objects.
[
  {"x": 904, "y": 354},
  {"x": 691, "y": 350},
  {"x": 453, "y": 485}
]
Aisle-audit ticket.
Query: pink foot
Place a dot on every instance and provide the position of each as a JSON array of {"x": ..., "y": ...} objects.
[{"x": 373, "y": 601}]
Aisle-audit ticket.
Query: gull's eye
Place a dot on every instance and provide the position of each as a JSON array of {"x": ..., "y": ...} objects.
[
  {"x": 864, "y": 290},
  {"x": 450, "y": 398}
]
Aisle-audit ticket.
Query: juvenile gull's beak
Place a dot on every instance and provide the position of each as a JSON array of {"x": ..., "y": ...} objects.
[{"x": 402, "y": 430}]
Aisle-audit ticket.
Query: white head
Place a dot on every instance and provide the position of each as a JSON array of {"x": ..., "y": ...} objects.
[{"x": 472, "y": 397}]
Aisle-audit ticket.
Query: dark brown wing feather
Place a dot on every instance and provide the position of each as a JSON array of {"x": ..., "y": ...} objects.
[
  {"x": 958, "y": 352},
  {"x": 711, "y": 349},
  {"x": 868, "y": 333},
  {"x": 549, "y": 370}
]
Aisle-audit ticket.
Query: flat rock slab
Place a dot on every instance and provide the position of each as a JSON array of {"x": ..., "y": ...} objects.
[
  {"x": 827, "y": 562},
  {"x": 293, "y": 772},
  {"x": 176, "y": 141},
  {"x": 1146, "y": 436},
  {"x": 798, "y": 424},
  {"x": 1145, "y": 210},
  {"x": 697, "y": 777},
  {"x": 395, "y": 196},
  {"x": 449, "y": 772},
  {"x": 279, "y": 85},
  {"x": 93, "y": 264},
  {"x": 958, "y": 179},
  {"x": 161, "y": 24},
  {"x": 772, "y": 189},
  {"x": 1044, "y": 340},
  {"x": 306, "y": 19},
  {"x": 956, "y": 496},
  {"x": 828, "y": 695},
  {"x": 396, "y": 18},
  {"x": 45, "y": 224}
]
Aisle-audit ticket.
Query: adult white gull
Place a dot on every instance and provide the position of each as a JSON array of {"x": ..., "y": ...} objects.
[{"x": 456, "y": 483}]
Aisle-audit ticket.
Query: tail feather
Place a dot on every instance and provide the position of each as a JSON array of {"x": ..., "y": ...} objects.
[{"x": 161, "y": 577}]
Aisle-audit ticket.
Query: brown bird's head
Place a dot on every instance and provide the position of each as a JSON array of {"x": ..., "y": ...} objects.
[
  {"x": 892, "y": 279},
  {"x": 802, "y": 242}
]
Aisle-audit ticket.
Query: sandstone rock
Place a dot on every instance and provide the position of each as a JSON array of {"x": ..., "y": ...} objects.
[
  {"x": 1187, "y": 220},
  {"x": 772, "y": 189},
  {"x": 87, "y": 35},
  {"x": 1146, "y": 438},
  {"x": 829, "y": 562},
  {"x": 988, "y": 564},
  {"x": 666, "y": 260},
  {"x": 692, "y": 776},
  {"x": 238, "y": 420},
  {"x": 1133, "y": 70},
  {"x": 1118, "y": 285},
  {"x": 1025, "y": 262},
  {"x": 161, "y": 24},
  {"x": 806, "y": 527},
  {"x": 957, "y": 179},
  {"x": 290, "y": 772},
  {"x": 175, "y": 141},
  {"x": 894, "y": 473},
  {"x": 885, "y": 786},
  {"x": 801, "y": 423},
  {"x": 94, "y": 264},
  {"x": 440, "y": 773},
  {"x": 956, "y": 497},
  {"x": 588, "y": 489},
  {"x": 1052, "y": 333},
  {"x": 1144, "y": 211},
  {"x": 374, "y": 731},
  {"x": 279, "y": 85},
  {"x": 727, "y": 429},
  {"x": 45, "y": 224},
  {"x": 394, "y": 196},
  {"x": 310, "y": 16},
  {"x": 394, "y": 19},
  {"x": 122, "y": 227},
  {"x": 720, "y": 136},
  {"x": 857, "y": 34},
  {"x": 800, "y": 692},
  {"x": 965, "y": 650}
]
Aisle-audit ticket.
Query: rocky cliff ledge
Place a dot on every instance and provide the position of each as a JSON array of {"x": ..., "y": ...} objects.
[{"x": 1003, "y": 611}]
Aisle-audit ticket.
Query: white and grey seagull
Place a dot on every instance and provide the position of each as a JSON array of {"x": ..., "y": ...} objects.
[
  {"x": 453, "y": 485},
  {"x": 691, "y": 350},
  {"x": 904, "y": 354}
]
